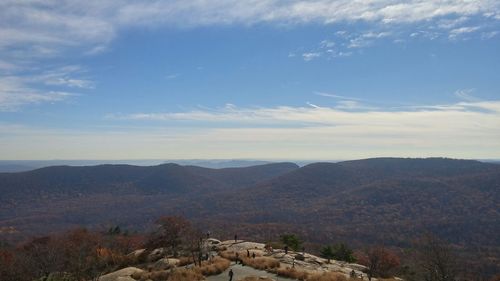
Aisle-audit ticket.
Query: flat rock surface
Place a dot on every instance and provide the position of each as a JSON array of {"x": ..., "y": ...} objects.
[
  {"x": 241, "y": 272},
  {"x": 120, "y": 275}
]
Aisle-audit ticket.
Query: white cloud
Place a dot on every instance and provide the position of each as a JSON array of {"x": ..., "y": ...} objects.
[
  {"x": 466, "y": 94},
  {"x": 462, "y": 130},
  {"x": 32, "y": 31},
  {"x": 454, "y": 33},
  {"x": 329, "y": 95},
  {"x": 315, "y": 114},
  {"x": 489, "y": 35},
  {"x": 366, "y": 39},
  {"x": 325, "y": 44},
  {"x": 172, "y": 76},
  {"x": 311, "y": 56},
  {"x": 18, "y": 91},
  {"x": 14, "y": 93},
  {"x": 70, "y": 23}
]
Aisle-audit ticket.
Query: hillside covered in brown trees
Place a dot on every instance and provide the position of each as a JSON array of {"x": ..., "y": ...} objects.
[{"x": 384, "y": 201}]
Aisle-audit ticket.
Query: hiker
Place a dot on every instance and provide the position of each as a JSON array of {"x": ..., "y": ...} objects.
[
  {"x": 208, "y": 234},
  {"x": 286, "y": 250},
  {"x": 253, "y": 255},
  {"x": 231, "y": 275},
  {"x": 248, "y": 253},
  {"x": 235, "y": 238},
  {"x": 353, "y": 274}
]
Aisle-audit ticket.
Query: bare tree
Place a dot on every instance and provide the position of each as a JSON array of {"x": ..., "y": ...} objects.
[
  {"x": 380, "y": 262},
  {"x": 436, "y": 260},
  {"x": 170, "y": 233}
]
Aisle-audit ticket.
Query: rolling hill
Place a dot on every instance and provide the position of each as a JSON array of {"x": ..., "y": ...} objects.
[{"x": 387, "y": 201}]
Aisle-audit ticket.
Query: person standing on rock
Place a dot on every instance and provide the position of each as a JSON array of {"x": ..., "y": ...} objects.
[
  {"x": 253, "y": 255},
  {"x": 248, "y": 253},
  {"x": 231, "y": 275},
  {"x": 235, "y": 238}
]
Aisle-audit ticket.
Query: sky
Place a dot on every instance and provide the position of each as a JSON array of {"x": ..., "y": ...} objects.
[{"x": 253, "y": 79}]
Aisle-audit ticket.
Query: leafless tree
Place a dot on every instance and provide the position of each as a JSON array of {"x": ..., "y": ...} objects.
[{"x": 436, "y": 260}]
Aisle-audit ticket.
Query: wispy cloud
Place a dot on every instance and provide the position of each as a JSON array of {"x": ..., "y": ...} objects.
[
  {"x": 330, "y": 95},
  {"x": 314, "y": 114},
  {"x": 466, "y": 95},
  {"x": 454, "y": 33},
  {"x": 31, "y": 32},
  {"x": 464, "y": 129},
  {"x": 18, "y": 91},
  {"x": 172, "y": 76},
  {"x": 311, "y": 56},
  {"x": 489, "y": 35}
]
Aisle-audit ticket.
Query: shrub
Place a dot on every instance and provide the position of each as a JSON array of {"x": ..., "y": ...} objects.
[
  {"x": 185, "y": 261},
  {"x": 216, "y": 266},
  {"x": 262, "y": 263},
  {"x": 185, "y": 274},
  {"x": 254, "y": 278},
  {"x": 292, "y": 273},
  {"x": 327, "y": 276},
  {"x": 291, "y": 240},
  {"x": 231, "y": 255}
]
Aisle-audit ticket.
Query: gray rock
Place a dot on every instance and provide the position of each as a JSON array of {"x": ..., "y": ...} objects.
[{"x": 121, "y": 275}]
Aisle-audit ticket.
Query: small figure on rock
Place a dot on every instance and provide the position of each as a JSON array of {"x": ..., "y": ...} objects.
[
  {"x": 353, "y": 274},
  {"x": 253, "y": 255},
  {"x": 235, "y": 238},
  {"x": 231, "y": 275},
  {"x": 248, "y": 253},
  {"x": 286, "y": 250}
]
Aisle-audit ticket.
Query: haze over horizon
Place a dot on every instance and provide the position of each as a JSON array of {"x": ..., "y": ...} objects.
[{"x": 268, "y": 79}]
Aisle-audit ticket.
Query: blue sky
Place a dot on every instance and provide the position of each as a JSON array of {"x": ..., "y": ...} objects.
[{"x": 268, "y": 79}]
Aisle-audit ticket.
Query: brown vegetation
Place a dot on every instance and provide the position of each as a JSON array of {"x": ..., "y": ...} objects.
[
  {"x": 255, "y": 278},
  {"x": 232, "y": 255},
  {"x": 327, "y": 276},
  {"x": 380, "y": 261},
  {"x": 262, "y": 263},
  {"x": 185, "y": 274},
  {"x": 213, "y": 267},
  {"x": 292, "y": 273}
]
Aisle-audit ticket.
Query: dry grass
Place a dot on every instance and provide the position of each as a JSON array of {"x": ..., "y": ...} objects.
[
  {"x": 160, "y": 275},
  {"x": 230, "y": 255},
  {"x": 262, "y": 263},
  {"x": 185, "y": 261},
  {"x": 327, "y": 276},
  {"x": 185, "y": 275},
  {"x": 213, "y": 267},
  {"x": 292, "y": 273},
  {"x": 254, "y": 278}
]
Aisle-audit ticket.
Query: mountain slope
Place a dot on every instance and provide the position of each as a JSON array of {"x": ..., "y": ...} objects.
[{"x": 374, "y": 201}]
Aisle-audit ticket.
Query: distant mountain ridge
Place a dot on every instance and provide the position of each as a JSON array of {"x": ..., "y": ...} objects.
[
  {"x": 387, "y": 201},
  {"x": 14, "y": 166}
]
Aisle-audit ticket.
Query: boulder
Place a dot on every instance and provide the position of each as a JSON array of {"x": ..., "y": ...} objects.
[
  {"x": 136, "y": 253},
  {"x": 157, "y": 254},
  {"x": 121, "y": 275},
  {"x": 165, "y": 263}
]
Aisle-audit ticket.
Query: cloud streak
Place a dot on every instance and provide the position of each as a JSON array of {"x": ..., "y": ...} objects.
[{"x": 463, "y": 130}]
